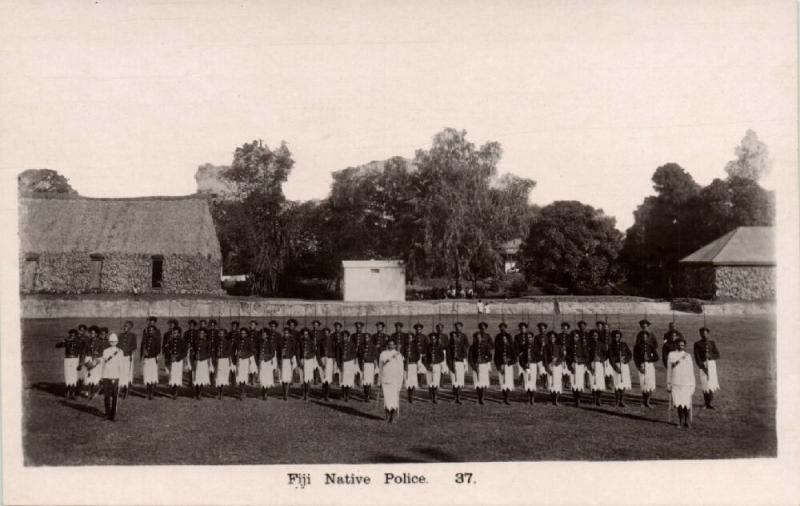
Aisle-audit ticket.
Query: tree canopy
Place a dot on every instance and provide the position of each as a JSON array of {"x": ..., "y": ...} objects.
[{"x": 43, "y": 181}]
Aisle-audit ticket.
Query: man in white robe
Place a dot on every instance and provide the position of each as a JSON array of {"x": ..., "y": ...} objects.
[
  {"x": 680, "y": 381},
  {"x": 390, "y": 362}
]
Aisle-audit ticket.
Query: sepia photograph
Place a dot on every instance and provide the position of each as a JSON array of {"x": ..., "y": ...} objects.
[{"x": 368, "y": 245}]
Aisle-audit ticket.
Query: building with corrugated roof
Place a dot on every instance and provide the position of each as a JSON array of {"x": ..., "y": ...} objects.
[
  {"x": 740, "y": 265},
  {"x": 119, "y": 245}
]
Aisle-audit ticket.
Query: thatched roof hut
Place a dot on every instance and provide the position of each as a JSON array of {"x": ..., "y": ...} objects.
[{"x": 129, "y": 245}]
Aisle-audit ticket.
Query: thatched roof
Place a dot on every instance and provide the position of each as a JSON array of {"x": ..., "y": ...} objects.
[
  {"x": 741, "y": 246},
  {"x": 147, "y": 225}
]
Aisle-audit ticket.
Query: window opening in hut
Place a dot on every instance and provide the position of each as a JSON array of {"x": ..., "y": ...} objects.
[
  {"x": 29, "y": 276},
  {"x": 97, "y": 270},
  {"x": 158, "y": 271}
]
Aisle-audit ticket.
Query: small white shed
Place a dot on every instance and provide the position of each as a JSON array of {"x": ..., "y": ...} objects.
[{"x": 374, "y": 280}]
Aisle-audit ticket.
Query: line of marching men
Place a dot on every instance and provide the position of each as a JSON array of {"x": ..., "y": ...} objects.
[{"x": 579, "y": 359}]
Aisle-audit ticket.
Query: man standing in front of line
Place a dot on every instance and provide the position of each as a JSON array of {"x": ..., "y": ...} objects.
[{"x": 112, "y": 370}]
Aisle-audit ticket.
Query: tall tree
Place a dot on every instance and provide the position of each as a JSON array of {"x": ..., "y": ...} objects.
[
  {"x": 43, "y": 181},
  {"x": 572, "y": 245},
  {"x": 461, "y": 218},
  {"x": 752, "y": 158},
  {"x": 251, "y": 224}
]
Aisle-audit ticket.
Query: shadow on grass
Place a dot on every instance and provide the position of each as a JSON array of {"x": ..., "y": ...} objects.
[
  {"x": 347, "y": 410},
  {"x": 436, "y": 454},
  {"x": 622, "y": 414},
  {"x": 84, "y": 408},
  {"x": 56, "y": 389},
  {"x": 386, "y": 458}
]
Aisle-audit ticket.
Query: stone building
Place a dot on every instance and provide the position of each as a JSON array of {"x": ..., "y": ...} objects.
[
  {"x": 128, "y": 245},
  {"x": 740, "y": 265}
]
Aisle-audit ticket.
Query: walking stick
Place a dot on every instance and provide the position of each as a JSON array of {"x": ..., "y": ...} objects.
[{"x": 669, "y": 411}]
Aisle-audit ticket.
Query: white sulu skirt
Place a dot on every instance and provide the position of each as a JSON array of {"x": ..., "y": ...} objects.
[
  {"x": 710, "y": 382},
  {"x": 223, "y": 372},
  {"x": 458, "y": 377},
  {"x": 578, "y": 378},
  {"x": 412, "y": 379},
  {"x": 287, "y": 370},
  {"x": 150, "y": 370},
  {"x": 309, "y": 366},
  {"x": 597, "y": 381},
  {"x": 436, "y": 375},
  {"x": 243, "y": 370},
  {"x": 554, "y": 380},
  {"x": 200, "y": 374},
  {"x": 329, "y": 364},
  {"x": 95, "y": 375},
  {"x": 176, "y": 373},
  {"x": 529, "y": 377},
  {"x": 368, "y": 378},
  {"x": 609, "y": 371},
  {"x": 506, "y": 378},
  {"x": 266, "y": 373},
  {"x": 348, "y": 373},
  {"x": 622, "y": 380},
  {"x": 647, "y": 381},
  {"x": 483, "y": 375},
  {"x": 682, "y": 396},
  {"x": 71, "y": 371},
  {"x": 125, "y": 371}
]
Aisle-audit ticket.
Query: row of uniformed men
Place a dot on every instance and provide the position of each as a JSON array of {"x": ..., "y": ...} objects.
[{"x": 212, "y": 354}]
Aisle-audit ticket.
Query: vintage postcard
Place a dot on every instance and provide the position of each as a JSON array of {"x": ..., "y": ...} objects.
[{"x": 377, "y": 252}]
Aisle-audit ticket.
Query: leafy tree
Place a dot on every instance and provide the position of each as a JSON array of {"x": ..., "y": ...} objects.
[
  {"x": 752, "y": 159},
  {"x": 252, "y": 223},
  {"x": 572, "y": 245},
  {"x": 43, "y": 181}
]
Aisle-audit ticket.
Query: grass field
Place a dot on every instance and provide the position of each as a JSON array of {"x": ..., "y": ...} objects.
[{"x": 186, "y": 431}]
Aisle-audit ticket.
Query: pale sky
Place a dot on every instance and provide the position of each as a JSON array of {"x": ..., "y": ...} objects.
[{"x": 587, "y": 98}]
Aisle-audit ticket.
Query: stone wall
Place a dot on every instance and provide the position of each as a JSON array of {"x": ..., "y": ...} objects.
[
  {"x": 698, "y": 282},
  {"x": 71, "y": 273},
  {"x": 745, "y": 282}
]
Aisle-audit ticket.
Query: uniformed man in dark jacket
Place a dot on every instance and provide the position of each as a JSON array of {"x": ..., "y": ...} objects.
[
  {"x": 619, "y": 356},
  {"x": 519, "y": 342},
  {"x": 412, "y": 350},
  {"x": 174, "y": 353},
  {"x": 670, "y": 338},
  {"x": 457, "y": 358},
  {"x": 149, "y": 351},
  {"x": 222, "y": 356},
  {"x": 554, "y": 358},
  {"x": 505, "y": 357},
  {"x": 200, "y": 357},
  {"x": 369, "y": 349},
  {"x": 189, "y": 337},
  {"x": 481, "y": 358},
  {"x": 128, "y": 344},
  {"x": 706, "y": 355},
  {"x": 380, "y": 337},
  {"x": 326, "y": 355},
  {"x": 577, "y": 360},
  {"x": 72, "y": 355},
  {"x": 347, "y": 349},
  {"x": 597, "y": 360},
  {"x": 529, "y": 356},
  {"x": 308, "y": 356},
  {"x": 360, "y": 337},
  {"x": 287, "y": 357},
  {"x": 645, "y": 355},
  {"x": 433, "y": 359},
  {"x": 316, "y": 334},
  {"x": 266, "y": 357}
]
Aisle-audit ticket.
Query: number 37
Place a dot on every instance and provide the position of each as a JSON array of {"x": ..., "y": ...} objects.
[{"x": 464, "y": 478}]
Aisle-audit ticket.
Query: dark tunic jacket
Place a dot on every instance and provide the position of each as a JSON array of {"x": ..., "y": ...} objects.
[
  {"x": 151, "y": 343},
  {"x": 645, "y": 349}
]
